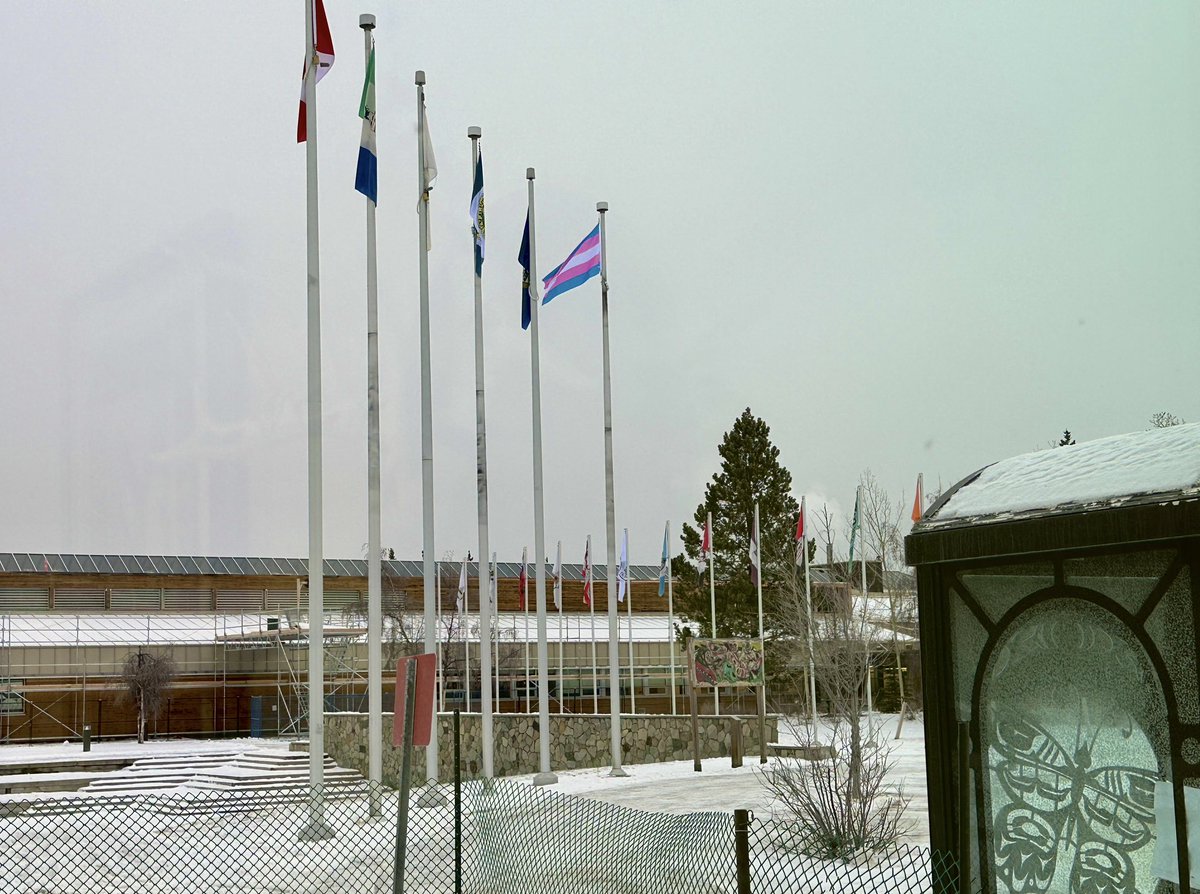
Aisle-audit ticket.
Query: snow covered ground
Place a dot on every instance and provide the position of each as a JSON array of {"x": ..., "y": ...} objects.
[{"x": 69, "y": 752}]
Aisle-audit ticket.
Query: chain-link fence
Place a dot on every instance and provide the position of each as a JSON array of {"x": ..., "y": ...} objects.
[{"x": 507, "y": 837}]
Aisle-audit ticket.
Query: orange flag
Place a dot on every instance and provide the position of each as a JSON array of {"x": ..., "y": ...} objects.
[{"x": 916, "y": 513}]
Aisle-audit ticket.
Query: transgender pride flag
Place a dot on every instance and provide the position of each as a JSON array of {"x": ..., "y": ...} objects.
[{"x": 580, "y": 266}]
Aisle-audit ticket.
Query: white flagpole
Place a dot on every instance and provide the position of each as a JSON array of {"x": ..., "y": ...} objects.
[
  {"x": 545, "y": 776},
  {"x": 812, "y": 663},
  {"x": 466, "y": 626},
  {"x": 494, "y": 600},
  {"x": 629, "y": 616},
  {"x": 558, "y": 599},
  {"x": 610, "y": 521},
  {"x": 592, "y": 620},
  {"x": 866, "y": 624},
  {"x": 712, "y": 599},
  {"x": 485, "y": 588},
  {"x": 316, "y": 567},
  {"x": 431, "y": 753},
  {"x": 525, "y": 608},
  {"x": 366, "y": 21},
  {"x": 762, "y": 639},
  {"x": 671, "y": 619},
  {"x": 441, "y": 675}
]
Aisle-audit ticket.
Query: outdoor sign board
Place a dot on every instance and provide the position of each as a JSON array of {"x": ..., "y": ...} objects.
[{"x": 726, "y": 662}]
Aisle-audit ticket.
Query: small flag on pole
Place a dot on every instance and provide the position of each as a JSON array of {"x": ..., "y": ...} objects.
[
  {"x": 477, "y": 225},
  {"x": 558, "y": 577},
  {"x": 322, "y": 45},
  {"x": 526, "y": 285},
  {"x": 587, "y": 572},
  {"x": 755, "y": 558},
  {"x": 366, "y": 178},
  {"x": 623, "y": 568},
  {"x": 581, "y": 265},
  {"x": 918, "y": 499},
  {"x": 523, "y": 580},
  {"x": 665, "y": 568},
  {"x": 705, "y": 548},
  {"x": 460, "y": 599},
  {"x": 430, "y": 171},
  {"x": 853, "y": 537},
  {"x": 45, "y": 565},
  {"x": 801, "y": 546}
]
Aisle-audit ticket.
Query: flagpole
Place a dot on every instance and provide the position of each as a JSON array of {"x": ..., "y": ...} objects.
[
  {"x": 525, "y": 608},
  {"x": 316, "y": 828},
  {"x": 592, "y": 619},
  {"x": 812, "y": 664},
  {"x": 485, "y": 609},
  {"x": 431, "y": 753},
  {"x": 712, "y": 600},
  {"x": 544, "y": 776},
  {"x": 866, "y": 630},
  {"x": 366, "y": 21},
  {"x": 629, "y": 617},
  {"x": 610, "y": 521},
  {"x": 558, "y": 599},
  {"x": 441, "y": 674},
  {"x": 494, "y": 602},
  {"x": 762, "y": 638},
  {"x": 671, "y": 619},
  {"x": 466, "y": 625}
]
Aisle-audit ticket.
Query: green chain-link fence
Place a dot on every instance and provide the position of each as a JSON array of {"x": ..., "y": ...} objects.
[{"x": 514, "y": 838}]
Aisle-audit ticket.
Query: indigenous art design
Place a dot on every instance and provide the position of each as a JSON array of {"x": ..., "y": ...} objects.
[{"x": 727, "y": 662}]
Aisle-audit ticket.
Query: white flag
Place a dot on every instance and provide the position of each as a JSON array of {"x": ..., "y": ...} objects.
[
  {"x": 460, "y": 601},
  {"x": 431, "y": 171},
  {"x": 623, "y": 568},
  {"x": 558, "y": 577}
]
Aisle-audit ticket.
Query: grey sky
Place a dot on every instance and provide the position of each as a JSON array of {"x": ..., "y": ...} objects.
[{"x": 912, "y": 238}]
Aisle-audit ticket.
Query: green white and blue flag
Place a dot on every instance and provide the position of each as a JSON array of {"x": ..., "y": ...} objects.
[{"x": 366, "y": 180}]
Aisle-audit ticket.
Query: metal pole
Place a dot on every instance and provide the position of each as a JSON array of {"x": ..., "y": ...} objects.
[
  {"x": 441, "y": 675},
  {"x": 410, "y": 699},
  {"x": 494, "y": 603},
  {"x": 544, "y": 777},
  {"x": 629, "y": 616},
  {"x": 466, "y": 625},
  {"x": 431, "y": 758},
  {"x": 671, "y": 620},
  {"x": 610, "y": 518},
  {"x": 366, "y": 21},
  {"x": 316, "y": 593},
  {"x": 591, "y": 583},
  {"x": 812, "y": 663},
  {"x": 712, "y": 599},
  {"x": 525, "y": 609},
  {"x": 457, "y": 804},
  {"x": 562, "y": 677},
  {"x": 762, "y": 641},
  {"x": 485, "y": 591},
  {"x": 866, "y": 623}
]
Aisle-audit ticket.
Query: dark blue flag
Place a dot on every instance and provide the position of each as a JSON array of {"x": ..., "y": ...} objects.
[{"x": 523, "y": 257}]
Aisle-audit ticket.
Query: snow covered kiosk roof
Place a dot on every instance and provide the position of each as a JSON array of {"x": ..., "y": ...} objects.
[{"x": 1143, "y": 471}]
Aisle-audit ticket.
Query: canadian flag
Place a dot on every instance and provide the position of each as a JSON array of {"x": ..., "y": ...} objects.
[
  {"x": 322, "y": 52},
  {"x": 801, "y": 551}
]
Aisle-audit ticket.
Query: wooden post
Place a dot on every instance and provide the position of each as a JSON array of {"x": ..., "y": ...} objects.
[
  {"x": 762, "y": 724},
  {"x": 695, "y": 714}
]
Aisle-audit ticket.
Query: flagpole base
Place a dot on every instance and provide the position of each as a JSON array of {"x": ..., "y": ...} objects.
[
  {"x": 545, "y": 779},
  {"x": 617, "y": 772},
  {"x": 431, "y": 796}
]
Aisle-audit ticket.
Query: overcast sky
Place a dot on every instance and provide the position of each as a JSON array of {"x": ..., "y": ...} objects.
[{"x": 913, "y": 238}]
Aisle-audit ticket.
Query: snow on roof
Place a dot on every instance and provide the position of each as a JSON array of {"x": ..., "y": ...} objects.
[{"x": 1158, "y": 461}]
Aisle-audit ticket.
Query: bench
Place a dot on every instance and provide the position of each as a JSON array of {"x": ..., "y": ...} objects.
[{"x": 804, "y": 752}]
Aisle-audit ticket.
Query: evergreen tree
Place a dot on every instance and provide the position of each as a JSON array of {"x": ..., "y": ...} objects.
[
  {"x": 750, "y": 472},
  {"x": 1066, "y": 440}
]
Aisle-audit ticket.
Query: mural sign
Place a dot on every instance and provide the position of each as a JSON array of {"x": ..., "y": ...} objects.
[{"x": 726, "y": 662}]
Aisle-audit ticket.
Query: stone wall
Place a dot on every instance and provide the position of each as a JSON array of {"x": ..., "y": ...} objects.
[{"x": 576, "y": 740}]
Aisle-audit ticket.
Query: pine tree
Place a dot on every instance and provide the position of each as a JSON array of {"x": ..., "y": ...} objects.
[
  {"x": 750, "y": 471},
  {"x": 1066, "y": 440}
]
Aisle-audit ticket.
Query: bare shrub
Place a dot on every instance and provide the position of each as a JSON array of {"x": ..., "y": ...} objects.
[{"x": 145, "y": 679}]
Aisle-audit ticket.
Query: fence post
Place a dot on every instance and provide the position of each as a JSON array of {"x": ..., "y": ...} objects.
[
  {"x": 735, "y": 742},
  {"x": 457, "y": 808},
  {"x": 741, "y": 841}
]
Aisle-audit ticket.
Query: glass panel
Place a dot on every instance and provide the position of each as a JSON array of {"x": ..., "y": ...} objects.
[
  {"x": 1075, "y": 736},
  {"x": 999, "y": 588},
  {"x": 1171, "y": 626},
  {"x": 1126, "y": 579},
  {"x": 969, "y": 640}
]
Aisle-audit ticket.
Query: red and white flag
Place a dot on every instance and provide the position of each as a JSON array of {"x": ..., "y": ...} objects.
[
  {"x": 523, "y": 581},
  {"x": 801, "y": 548},
  {"x": 705, "y": 547},
  {"x": 322, "y": 52},
  {"x": 587, "y": 572},
  {"x": 918, "y": 499}
]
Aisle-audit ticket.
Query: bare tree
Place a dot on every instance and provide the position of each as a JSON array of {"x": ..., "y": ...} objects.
[
  {"x": 1163, "y": 419},
  {"x": 825, "y": 524},
  {"x": 840, "y": 803},
  {"x": 145, "y": 679}
]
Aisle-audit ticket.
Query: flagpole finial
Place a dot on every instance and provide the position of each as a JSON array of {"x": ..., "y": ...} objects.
[
  {"x": 366, "y": 21},
  {"x": 602, "y": 207},
  {"x": 529, "y": 175},
  {"x": 474, "y": 133},
  {"x": 420, "y": 79}
]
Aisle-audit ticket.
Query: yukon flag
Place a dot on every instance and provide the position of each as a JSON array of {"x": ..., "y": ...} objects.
[
  {"x": 478, "y": 230},
  {"x": 665, "y": 568},
  {"x": 587, "y": 572},
  {"x": 755, "y": 558},
  {"x": 623, "y": 568},
  {"x": 322, "y": 45},
  {"x": 460, "y": 601},
  {"x": 523, "y": 580},
  {"x": 918, "y": 499},
  {"x": 366, "y": 179},
  {"x": 558, "y": 577}
]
